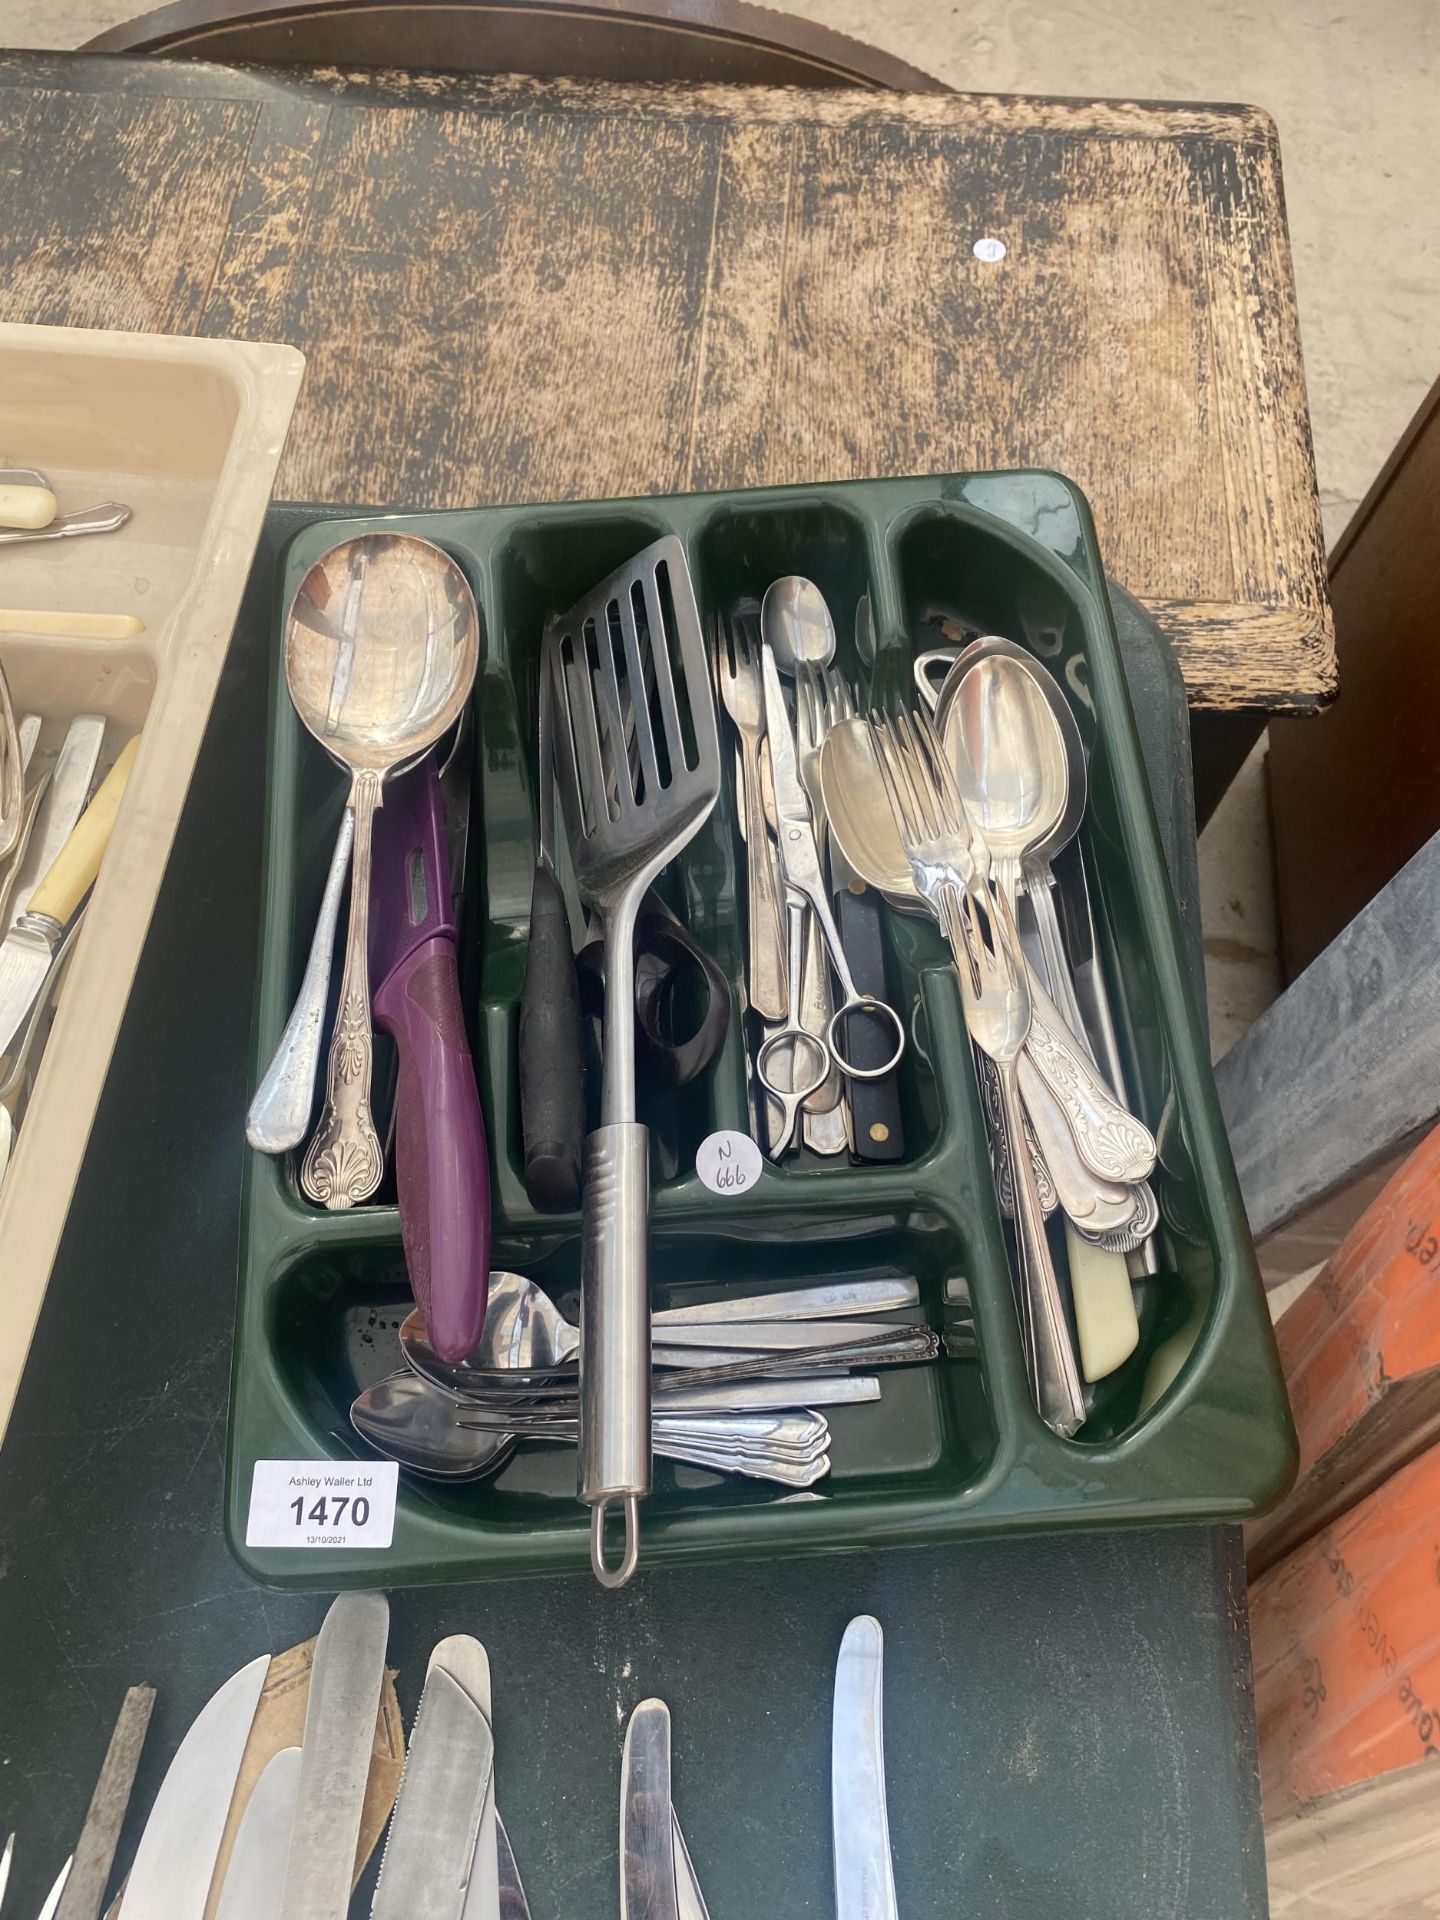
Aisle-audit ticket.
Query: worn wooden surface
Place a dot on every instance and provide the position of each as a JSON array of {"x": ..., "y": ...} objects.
[
  {"x": 515, "y": 289},
  {"x": 1339, "y": 1075}
]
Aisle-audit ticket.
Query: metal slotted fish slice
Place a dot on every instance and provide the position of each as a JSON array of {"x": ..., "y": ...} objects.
[{"x": 637, "y": 758}]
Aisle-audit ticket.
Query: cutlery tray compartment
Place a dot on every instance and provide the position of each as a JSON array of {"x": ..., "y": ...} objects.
[{"x": 1193, "y": 1426}]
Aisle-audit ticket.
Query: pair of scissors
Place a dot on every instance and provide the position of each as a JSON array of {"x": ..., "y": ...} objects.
[{"x": 792, "y": 1062}]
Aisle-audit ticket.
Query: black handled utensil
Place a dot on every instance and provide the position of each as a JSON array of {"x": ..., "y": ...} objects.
[{"x": 552, "y": 1093}]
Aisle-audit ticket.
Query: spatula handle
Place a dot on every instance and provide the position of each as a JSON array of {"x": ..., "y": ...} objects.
[
  {"x": 615, "y": 1466},
  {"x": 552, "y": 1106}
]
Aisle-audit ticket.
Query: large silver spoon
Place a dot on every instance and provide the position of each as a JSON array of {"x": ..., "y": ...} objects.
[{"x": 381, "y": 649}]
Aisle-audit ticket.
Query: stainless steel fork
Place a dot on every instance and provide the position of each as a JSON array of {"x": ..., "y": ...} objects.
[{"x": 951, "y": 871}]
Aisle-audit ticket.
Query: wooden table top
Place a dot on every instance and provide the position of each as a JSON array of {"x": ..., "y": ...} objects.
[{"x": 515, "y": 289}]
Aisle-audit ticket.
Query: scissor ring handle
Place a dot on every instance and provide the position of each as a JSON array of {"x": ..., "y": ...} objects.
[
  {"x": 799, "y": 1041},
  {"x": 865, "y": 1007}
]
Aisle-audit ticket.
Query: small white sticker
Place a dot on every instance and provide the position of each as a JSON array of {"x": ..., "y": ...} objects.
[
  {"x": 322, "y": 1503},
  {"x": 988, "y": 248},
  {"x": 729, "y": 1163}
]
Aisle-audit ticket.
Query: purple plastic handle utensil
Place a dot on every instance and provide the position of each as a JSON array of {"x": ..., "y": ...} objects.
[{"x": 442, "y": 1167}]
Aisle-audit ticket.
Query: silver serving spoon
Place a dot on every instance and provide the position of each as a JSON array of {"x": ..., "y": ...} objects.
[
  {"x": 278, "y": 1116},
  {"x": 1009, "y": 760},
  {"x": 434, "y": 1433},
  {"x": 1077, "y": 774},
  {"x": 381, "y": 648}
]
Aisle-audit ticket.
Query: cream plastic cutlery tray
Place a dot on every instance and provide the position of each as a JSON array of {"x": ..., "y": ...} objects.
[{"x": 188, "y": 434}]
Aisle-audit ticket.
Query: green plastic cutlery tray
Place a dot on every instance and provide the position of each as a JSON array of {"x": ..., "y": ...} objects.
[{"x": 1194, "y": 1427}]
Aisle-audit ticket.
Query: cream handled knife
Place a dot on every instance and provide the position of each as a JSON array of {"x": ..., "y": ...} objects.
[
  {"x": 62, "y": 797},
  {"x": 864, "y": 1879},
  {"x": 30, "y": 945}
]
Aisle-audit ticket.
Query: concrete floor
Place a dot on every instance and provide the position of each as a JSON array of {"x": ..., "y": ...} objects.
[{"x": 1354, "y": 90}]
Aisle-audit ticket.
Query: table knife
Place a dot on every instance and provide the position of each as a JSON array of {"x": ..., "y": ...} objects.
[
  {"x": 62, "y": 806},
  {"x": 346, "y": 1676},
  {"x": 170, "y": 1879},
  {"x": 5, "y": 1858},
  {"x": 95, "y": 1849},
  {"x": 255, "y": 1878},
  {"x": 513, "y": 1904},
  {"x": 430, "y": 1849},
  {"x": 442, "y": 1167},
  {"x": 864, "y": 1879},
  {"x": 466, "y": 1662},
  {"x": 30, "y": 945},
  {"x": 689, "y": 1901},
  {"x": 52, "y": 1899},
  {"x": 647, "y": 1825}
]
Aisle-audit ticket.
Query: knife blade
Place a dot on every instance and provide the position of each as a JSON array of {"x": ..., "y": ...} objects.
[
  {"x": 255, "y": 1877},
  {"x": 52, "y": 1899},
  {"x": 95, "y": 1849},
  {"x": 430, "y": 1849},
  {"x": 864, "y": 1879},
  {"x": 346, "y": 1676},
  {"x": 62, "y": 806},
  {"x": 689, "y": 1901},
  {"x": 466, "y": 1662},
  {"x": 5, "y": 1858},
  {"x": 170, "y": 1879},
  {"x": 442, "y": 1168},
  {"x": 30, "y": 945},
  {"x": 647, "y": 1826},
  {"x": 513, "y": 1904}
]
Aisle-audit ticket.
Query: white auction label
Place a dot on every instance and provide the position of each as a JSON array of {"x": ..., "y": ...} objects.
[
  {"x": 322, "y": 1503},
  {"x": 989, "y": 249},
  {"x": 729, "y": 1163}
]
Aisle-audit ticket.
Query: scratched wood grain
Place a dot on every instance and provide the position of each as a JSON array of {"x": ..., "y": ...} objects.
[{"x": 516, "y": 289}]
